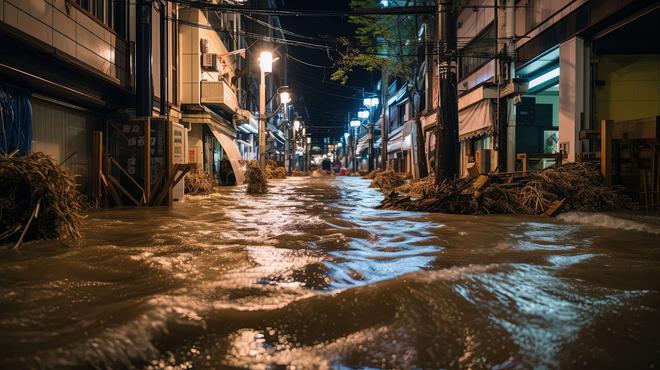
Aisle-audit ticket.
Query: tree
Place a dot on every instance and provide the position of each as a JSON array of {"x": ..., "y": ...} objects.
[{"x": 389, "y": 43}]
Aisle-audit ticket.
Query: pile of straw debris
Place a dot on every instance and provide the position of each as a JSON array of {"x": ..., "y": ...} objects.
[
  {"x": 418, "y": 188},
  {"x": 371, "y": 175},
  {"x": 199, "y": 182},
  {"x": 354, "y": 174},
  {"x": 572, "y": 187},
  {"x": 256, "y": 180},
  {"x": 273, "y": 171},
  {"x": 299, "y": 173},
  {"x": 38, "y": 199},
  {"x": 387, "y": 180}
]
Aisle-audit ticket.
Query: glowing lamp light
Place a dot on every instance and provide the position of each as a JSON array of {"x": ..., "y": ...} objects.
[
  {"x": 346, "y": 135},
  {"x": 355, "y": 123},
  {"x": 296, "y": 125},
  {"x": 339, "y": 145},
  {"x": 285, "y": 97},
  {"x": 370, "y": 102},
  {"x": 309, "y": 140},
  {"x": 363, "y": 113},
  {"x": 266, "y": 61},
  {"x": 544, "y": 78}
]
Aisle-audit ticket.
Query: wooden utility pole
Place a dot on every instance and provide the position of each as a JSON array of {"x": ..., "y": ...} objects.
[
  {"x": 447, "y": 146},
  {"x": 384, "y": 124}
]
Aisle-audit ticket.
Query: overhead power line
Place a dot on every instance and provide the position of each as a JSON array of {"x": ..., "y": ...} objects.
[{"x": 309, "y": 12}]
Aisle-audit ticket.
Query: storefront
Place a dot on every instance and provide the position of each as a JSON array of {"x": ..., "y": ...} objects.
[
  {"x": 212, "y": 145},
  {"x": 537, "y": 114},
  {"x": 476, "y": 129}
]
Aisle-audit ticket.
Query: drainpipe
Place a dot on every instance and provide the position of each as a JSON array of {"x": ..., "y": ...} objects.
[
  {"x": 164, "y": 51},
  {"x": 143, "y": 55}
]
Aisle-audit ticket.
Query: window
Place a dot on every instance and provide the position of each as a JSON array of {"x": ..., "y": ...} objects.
[
  {"x": 477, "y": 52},
  {"x": 112, "y": 13}
]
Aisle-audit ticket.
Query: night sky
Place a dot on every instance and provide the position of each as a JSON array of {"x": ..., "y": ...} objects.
[{"x": 327, "y": 101}]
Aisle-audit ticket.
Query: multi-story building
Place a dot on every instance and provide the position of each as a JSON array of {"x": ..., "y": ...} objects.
[
  {"x": 561, "y": 67},
  {"x": 78, "y": 68}
]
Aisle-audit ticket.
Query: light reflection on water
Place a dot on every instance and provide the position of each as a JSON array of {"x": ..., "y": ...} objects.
[{"x": 312, "y": 275}]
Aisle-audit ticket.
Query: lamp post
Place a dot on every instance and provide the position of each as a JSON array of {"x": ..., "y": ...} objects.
[
  {"x": 308, "y": 160},
  {"x": 285, "y": 98},
  {"x": 266, "y": 66},
  {"x": 348, "y": 146},
  {"x": 296, "y": 126},
  {"x": 371, "y": 103},
  {"x": 355, "y": 123}
]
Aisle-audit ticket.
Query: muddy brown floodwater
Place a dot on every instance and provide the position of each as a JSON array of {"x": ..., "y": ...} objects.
[{"x": 312, "y": 276}]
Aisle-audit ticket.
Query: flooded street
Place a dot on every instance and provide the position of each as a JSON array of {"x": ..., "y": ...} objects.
[{"x": 312, "y": 276}]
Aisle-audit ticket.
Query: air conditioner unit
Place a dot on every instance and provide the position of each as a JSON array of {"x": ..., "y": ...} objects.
[{"x": 210, "y": 61}]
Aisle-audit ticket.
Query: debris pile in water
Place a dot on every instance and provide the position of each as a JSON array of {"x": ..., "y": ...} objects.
[
  {"x": 299, "y": 173},
  {"x": 273, "y": 171},
  {"x": 572, "y": 187},
  {"x": 255, "y": 179},
  {"x": 387, "y": 180},
  {"x": 418, "y": 188},
  {"x": 38, "y": 199},
  {"x": 199, "y": 182},
  {"x": 354, "y": 174},
  {"x": 371, "y": 175}
]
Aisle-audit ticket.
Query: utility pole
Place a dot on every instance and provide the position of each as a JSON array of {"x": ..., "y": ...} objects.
[
  {"x": 262, "y": 120},
  {"x": 447, "y": 146},
  {"x": 384, "y": 124}
]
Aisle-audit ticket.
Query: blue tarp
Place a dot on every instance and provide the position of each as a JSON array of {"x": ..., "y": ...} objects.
[{"x": 15, "y": 121}]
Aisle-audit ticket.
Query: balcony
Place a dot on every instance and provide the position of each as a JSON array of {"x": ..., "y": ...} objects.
[{"x": 219, "y": 94}]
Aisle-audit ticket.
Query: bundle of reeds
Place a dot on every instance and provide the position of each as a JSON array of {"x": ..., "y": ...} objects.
[
  {"x": 575, "y": 186},
  {"x": 299, "y": 173},
  {"x": 199, "y": 183},
  {"x": 38, "y": 199},
  {"x": 255, "y": 178},
  {"x": 387, "y": 180}
]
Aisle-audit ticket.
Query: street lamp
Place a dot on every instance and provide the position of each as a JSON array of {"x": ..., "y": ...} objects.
[
  {"x": 371, "y": 103},
  {"x": 266, "y": 66},
  {"x": 348, "y": 146},
  {"x": 308, "y": 158},
  {"x": 285, "y": 98},
  {"x": 266, "y": 61},
  {"x": 296, "y": 126},
  {"x": 363, "y": 114}
]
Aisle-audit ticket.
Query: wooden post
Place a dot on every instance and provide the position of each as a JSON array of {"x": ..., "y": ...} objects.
[
  {"x": 147, "y": 157},
  {"x": 169, "y": 143},
  {"x": 606, "y": 150},
  {"x": 97, "y": 165}
]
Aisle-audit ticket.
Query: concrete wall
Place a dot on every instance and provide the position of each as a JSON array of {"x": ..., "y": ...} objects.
[
  {"x": 571, "y": 96},
  {"x": 632, "y": 87},
  {"x": 190, "y": 51},
  {"x": 75, "y": 33}
]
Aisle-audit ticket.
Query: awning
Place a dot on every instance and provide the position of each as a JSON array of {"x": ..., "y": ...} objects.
[
  {"x": 363, "y": 143},
  {"x": 395, "y": 141},
  {"x": 231, "y": 149},
  {"x": 475, "y": 120}
]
